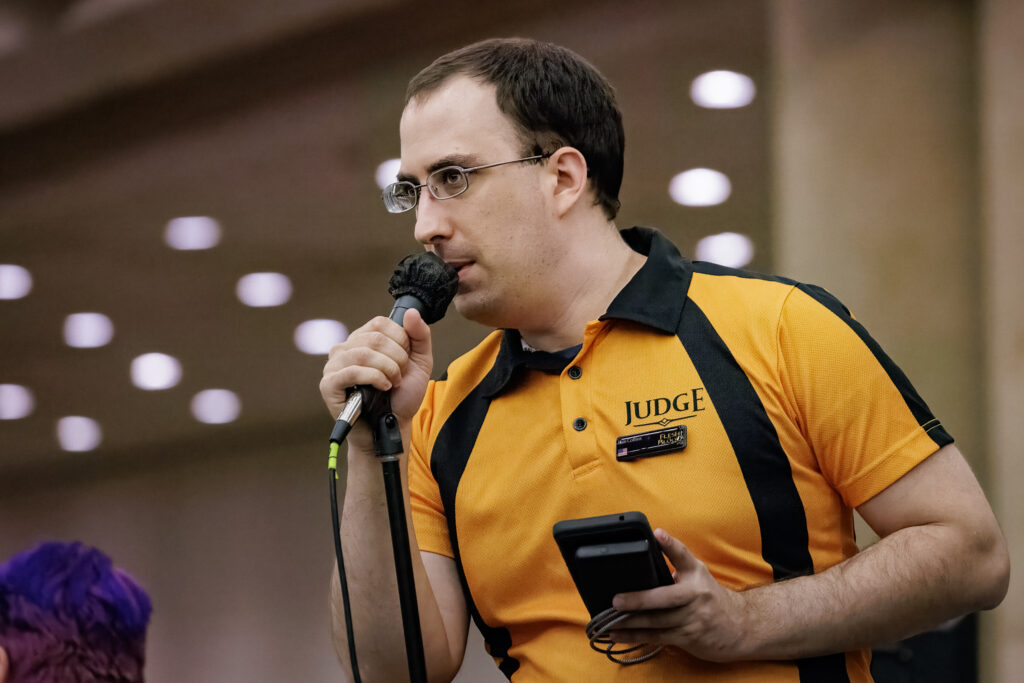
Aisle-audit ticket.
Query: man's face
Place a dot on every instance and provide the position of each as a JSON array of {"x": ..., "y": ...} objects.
[{"x": 497, "y": 232}]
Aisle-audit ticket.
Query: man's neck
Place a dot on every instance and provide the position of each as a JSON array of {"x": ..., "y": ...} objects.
[{"x": 591, "y": 278}]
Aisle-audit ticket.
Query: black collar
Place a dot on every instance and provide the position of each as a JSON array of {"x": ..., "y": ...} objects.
[{"x": 653, "y": 297}]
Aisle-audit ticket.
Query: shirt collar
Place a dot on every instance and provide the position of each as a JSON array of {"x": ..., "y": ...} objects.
[
  {"x": 656, "y": 294},
  {"x": 653, "y": 297}
]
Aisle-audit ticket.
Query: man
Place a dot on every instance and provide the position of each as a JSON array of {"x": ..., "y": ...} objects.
[
  {"x": 794, "y": 418},
  {"x": 67, "y": 615}
]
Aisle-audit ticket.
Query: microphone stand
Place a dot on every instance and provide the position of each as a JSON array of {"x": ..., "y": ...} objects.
[
  {"x": 387, "y": 445},
  {"x": 428, "y": 284}
]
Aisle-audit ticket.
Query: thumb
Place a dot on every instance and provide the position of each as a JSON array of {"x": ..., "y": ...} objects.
[
  {"x": 419, "y": 338},
  {"x": 678, "y": 554}
]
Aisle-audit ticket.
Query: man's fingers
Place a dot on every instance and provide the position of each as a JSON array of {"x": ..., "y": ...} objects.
[
  {"x": 662, "y": 597},
  {"x": 387, "y": 337},
  {"x": 676, "y": 595},
  {"x": 657, "y": 619},
  {"x": 362, "y": 357},
  {"x": 343, "y": 380}
]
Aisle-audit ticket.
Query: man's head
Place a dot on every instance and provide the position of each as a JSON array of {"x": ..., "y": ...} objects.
[
  {"x": 553, "y": 96},
  {"x": 66, "y": 614},
  {"x": 543, "y": 126}
]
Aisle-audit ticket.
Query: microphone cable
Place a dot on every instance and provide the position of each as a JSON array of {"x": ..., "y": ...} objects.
[
  {"x": 597, "y": 633},
  {"x": 342, "y": 427}
]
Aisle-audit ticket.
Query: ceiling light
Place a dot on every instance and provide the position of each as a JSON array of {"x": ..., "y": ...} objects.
[
  {"x": 727, "y": 249},
  {"x": 722, "y": 90},
  {"x": 16, "y": 402},
  {"x": 192, "y": 232},
  {"x": 15, "y": 281},
  {"x": 316, "y": 337},
  {"x": 154, "y": 371},
  {"x": 216, "y": 406},
  {"x": 387, "y": 172},
  {"x": 700, "y": 187},
  {"x": 264, "y": 289},
  {"x": 77, "y": 433},
  {"x": 88, "y": 330}
]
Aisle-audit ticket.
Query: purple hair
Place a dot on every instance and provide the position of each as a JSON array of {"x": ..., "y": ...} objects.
[{"x": 66, "y": 614}]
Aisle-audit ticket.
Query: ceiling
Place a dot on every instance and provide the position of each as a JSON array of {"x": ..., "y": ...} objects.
[{"x": 272, "y": 119}]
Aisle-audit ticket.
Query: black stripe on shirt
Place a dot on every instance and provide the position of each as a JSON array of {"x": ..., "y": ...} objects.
[
  {"x": 448, "y": 460},
  {"x": 763, "y": 463},
  {"x": 918, "y": 408}
]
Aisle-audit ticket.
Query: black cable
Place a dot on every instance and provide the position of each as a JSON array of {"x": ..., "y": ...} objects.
[
  {"x": 336, "y": 527},
  {"x": 342, "y": 427},
  {"x": 604, "y": 622}
]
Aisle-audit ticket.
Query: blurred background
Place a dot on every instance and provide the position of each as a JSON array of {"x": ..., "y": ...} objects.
[{"x": 190, "y": 216}]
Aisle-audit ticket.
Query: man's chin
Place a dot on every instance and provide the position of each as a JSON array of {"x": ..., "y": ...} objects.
[{"x": 472, "y": 306}]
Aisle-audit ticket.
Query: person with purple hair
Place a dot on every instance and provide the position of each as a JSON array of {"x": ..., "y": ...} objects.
[{"x": 68, "y": 615}]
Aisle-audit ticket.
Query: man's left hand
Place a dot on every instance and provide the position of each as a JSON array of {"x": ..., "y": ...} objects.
[{"x": 695, "y": 613}]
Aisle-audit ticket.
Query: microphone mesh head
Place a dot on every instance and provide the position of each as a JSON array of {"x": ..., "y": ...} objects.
[{"x": 429, "y": 279}]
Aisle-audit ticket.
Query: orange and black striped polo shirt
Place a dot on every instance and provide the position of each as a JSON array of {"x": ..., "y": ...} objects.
[{"x": 794, "y": 416}]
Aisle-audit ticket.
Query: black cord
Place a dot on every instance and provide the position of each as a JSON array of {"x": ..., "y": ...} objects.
[
  {"x": 336, "y": 527},
  {"x": 604, "y": 622}
]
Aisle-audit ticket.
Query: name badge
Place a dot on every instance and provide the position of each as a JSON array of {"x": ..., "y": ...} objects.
[{"x": 650, "y": 444}]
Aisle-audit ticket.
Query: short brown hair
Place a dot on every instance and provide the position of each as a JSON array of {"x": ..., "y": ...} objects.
[{"x": 552, "y": 94}]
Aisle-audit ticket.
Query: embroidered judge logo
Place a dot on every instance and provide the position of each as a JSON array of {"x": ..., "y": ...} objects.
[{"x": 665, "y": 410}]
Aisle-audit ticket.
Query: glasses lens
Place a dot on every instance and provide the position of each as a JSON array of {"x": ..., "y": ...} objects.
[
  {"x": 399, "y": 197},
  {"x": 447, "y": 182}
]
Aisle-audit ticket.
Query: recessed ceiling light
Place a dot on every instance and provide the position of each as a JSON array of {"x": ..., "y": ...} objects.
[
  {"x": 700, "y": 187},
  {"x": 15, "y": 281},
  {"x": 216, "y": 406},
  {"x": 727, "y": 249},
  {"x": 316, "y": 337},
  {"x": 76, "y": 433},
  {"x": 264, "y": 289},
  {"x": 88, "y": 330},
  {"x": 722, "y": 90},
  {"x": 190, "y": 233},
  {"x": 154, "y": 371},
  {"x": 16, "y": 402},
  {"x": 387, "y": 172}
]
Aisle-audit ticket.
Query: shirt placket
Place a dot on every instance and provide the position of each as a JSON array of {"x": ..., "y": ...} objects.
[{"x": 578, "y": 415}]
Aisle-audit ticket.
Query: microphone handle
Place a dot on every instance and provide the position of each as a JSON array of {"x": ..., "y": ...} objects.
[{"x": 403, "y": 304}]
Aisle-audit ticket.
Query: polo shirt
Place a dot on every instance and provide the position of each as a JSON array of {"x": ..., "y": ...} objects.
[{"x": 794, "y": 416}]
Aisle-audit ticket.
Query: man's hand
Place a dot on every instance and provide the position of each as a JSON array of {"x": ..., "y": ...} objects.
[
  {"x": 695, "y": 613},
  {"x": 383, "y": 355}
]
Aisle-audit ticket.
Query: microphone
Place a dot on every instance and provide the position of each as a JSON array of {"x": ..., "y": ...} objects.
[
  {"x": 425, "y": 282},
  {"x": 422, "y": 281}
]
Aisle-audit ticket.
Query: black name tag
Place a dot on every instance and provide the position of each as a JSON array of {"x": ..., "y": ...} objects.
[{"x": 649, "y": 444}]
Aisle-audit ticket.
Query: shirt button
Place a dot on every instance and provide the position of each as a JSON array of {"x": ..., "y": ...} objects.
[
  {"x": 579, "y": 424},
  {"x": 575, "y": 372}
]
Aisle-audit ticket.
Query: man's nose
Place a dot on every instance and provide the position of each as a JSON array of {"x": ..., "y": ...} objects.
[{"x": 431, "y": 222}]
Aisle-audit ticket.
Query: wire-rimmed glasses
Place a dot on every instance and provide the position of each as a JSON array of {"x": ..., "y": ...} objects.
[{"x": 444, "y": 183}]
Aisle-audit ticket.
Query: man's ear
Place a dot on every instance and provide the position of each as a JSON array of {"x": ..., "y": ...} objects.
[
  {"x": 3, "y": 665},
  {"x": 571, "y": 184}
]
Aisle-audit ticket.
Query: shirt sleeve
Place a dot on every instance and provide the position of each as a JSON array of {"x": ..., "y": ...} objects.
[
  {"x": 864, "y": 420},
  {"x": 428, "y": 516}
]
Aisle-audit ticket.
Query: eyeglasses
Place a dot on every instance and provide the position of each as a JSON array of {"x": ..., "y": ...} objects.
[{"x": 444, "y": 183}]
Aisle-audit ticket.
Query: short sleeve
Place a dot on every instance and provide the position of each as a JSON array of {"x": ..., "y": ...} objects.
[
  {"x": 428, "y": 516},
  {"x": 863, "y": 419}
]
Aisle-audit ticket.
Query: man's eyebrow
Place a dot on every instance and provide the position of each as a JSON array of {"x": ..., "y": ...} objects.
[{"x": 461, "y": 160}]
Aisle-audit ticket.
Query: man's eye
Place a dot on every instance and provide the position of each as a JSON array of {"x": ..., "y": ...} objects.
[{"x": 449, "y": 176}]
